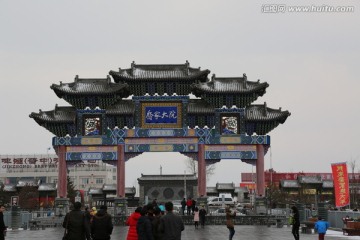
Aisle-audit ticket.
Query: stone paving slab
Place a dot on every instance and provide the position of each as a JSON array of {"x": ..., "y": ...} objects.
[{"x": 214, "y": 232}]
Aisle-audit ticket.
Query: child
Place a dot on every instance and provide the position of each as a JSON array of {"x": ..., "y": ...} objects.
[
  {"x": 196, "y": 217},
  {"x": 321, "y": 226}
]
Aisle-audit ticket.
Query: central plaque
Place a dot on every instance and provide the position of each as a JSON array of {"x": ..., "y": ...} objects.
[{"x": 161, "y": 115}]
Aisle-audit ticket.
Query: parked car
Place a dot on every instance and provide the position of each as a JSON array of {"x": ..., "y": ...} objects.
[{"x": 218, "y": 201}]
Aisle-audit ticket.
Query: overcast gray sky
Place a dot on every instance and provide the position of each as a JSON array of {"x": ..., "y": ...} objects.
[{"x": 310, "y": 60}]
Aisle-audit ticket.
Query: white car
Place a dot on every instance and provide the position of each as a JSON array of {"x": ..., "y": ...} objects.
[{"x": 218, "y": 201}]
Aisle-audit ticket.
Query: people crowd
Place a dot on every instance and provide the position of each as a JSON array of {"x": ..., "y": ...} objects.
[{"x": 81, "y": 225}]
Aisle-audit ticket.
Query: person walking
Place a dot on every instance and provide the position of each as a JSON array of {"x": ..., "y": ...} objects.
[
  {"x": 2, "y": 223},
  {"x": 156, "y": 223},
  {"x": 321, "y": 226},
  {"x": 295, "y": 222},
  {"x": 188, "y": 206},
  {"x": 143, "y": 226},
  {"x": 193, "y": 205},
  {"x": 171, "y": 225},
  {"x": 131, "y": 222},
  {"x": 101, "y": 226},
  {"x": 202, "y": 214},
  {"x": 230, "y": 222},
  {"x": 183, "y": 206},
  {"x": 196, "y": 218},
  {"x": 76, "y": 224}
]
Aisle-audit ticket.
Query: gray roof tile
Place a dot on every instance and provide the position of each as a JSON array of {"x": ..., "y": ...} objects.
[
  {"x": 123, "y": 107},
  {"x": 289, "y": 184},
  {"x": 161, "y": 72},
  {"x": 58, "y": 115},
  {"x": 230, "y": 85},
  {"x": 260, "y": 112},
  {"x": 89, "y": 87}
]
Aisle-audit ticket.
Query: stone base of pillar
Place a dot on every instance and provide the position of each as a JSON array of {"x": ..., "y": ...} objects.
[
  {"x": 62, "y": 206},
  {"x": 120, "y": 211},
  {"x": 120, "y": 207}
]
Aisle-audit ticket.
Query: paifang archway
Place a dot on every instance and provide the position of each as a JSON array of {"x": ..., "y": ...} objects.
[{"x": 103, "y": 123}]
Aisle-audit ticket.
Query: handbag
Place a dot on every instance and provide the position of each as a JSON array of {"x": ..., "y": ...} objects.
[{"x": 66, "y": 237}]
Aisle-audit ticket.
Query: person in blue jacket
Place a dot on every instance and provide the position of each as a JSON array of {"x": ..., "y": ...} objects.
[{"x": 321, "y": 226}]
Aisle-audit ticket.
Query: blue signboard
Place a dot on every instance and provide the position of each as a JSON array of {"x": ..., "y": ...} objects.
[{"x": 156, "y": 114}]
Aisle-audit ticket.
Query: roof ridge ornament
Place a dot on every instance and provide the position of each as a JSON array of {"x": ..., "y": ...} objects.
[
  {"x": 245, "y": 80},
  {"x": 213, "y": 77},
  {"x": 76, "y": 78},
  {"x": 265, "y": 109},
  {"x": 108, "y": 79},
  {"x": 187, "y": 64},
  {"x": 132, "y": 67}
]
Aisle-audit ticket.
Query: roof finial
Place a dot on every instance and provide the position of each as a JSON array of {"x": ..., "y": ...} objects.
[
  {"x": 265, "y": 109},
  {"x": 245, "y": 80},
  {"x": 213, "y": 77},
  {"x": 76, "y": 78},
  {"x": 60, "y": 83},
  {"x": 108, "y": 79},
  {"x": 133, "y": 66},
  {"x": 187, "y": 63}
]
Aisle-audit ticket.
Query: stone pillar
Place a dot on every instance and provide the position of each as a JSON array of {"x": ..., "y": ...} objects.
[
  {"x": 201, "y": 171},
  {"x": 62, "y": 173},
  {"x": 121, "y": 171},
  {"x": 260, "y": 175}
]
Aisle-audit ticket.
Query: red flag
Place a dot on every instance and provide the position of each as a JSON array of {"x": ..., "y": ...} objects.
[{"x": 341, "y": 184}]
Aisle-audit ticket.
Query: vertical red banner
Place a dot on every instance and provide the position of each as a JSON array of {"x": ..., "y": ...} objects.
[{"x": 341, "y": 184}]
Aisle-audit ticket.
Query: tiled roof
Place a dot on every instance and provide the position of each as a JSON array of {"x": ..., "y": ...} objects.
[
  {"x": 199, "y": 106},
  {"x": 231, "y": 85},
  {"x": 220, "y": 186},
  {"x": 289, "y": 184},
  {"x": 259, "y": 112},
  {"x": 109, "y": 187},
  {"x": 162, "y": 72},
  {"x": 166, "y": 177},
  {"x": 310, "y": 179},
  {"x": 26, "y": 182},
  {"x": 47, "y": 187},
  {"x": 95, "y": 191},
  {"x": 90, "y": 87},
  {"x": 328, "y": 184},
  {"x": 58, "y": 115},
  {"x": 211, "y": 190},
  {"x": 9, "y": 188},
  {"x": 123, "y": 107}
]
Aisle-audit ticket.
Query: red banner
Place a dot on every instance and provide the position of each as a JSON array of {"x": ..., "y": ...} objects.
[{"x": 341, "y": 184}]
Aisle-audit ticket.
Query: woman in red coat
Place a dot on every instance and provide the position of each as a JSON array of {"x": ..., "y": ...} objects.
[{"x": 132, "y": 221}]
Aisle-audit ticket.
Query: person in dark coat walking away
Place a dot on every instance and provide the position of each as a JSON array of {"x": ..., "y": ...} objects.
[
  {"x": 321, "y": 226},
  {"x": 202, "y": 214},
  {"x": 183, "y": 206},
  {"x": 295, "y": 223},
  {"x": 76, "y": 224},
  {"x": 156, "y": 223},
  {"x": 2, "y": 224},
  {"x": 171, "y": 225},
  {"x": 131, "y": 222},
  {"x": 143, "y": 226},
  {"x": 101, "y": 226}
]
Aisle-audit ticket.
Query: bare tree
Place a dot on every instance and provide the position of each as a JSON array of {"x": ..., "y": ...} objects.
[
  {"x": 352, "y": 164},
  {"x": 192, "y": 167}
]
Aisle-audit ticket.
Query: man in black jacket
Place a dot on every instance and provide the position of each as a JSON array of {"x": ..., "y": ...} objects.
[
  {"x": 171, "y": 225},
  {"x": 101, "y": 226},
  {"x": 76, "y": 224},
  {"x": 2, "y": 224}
]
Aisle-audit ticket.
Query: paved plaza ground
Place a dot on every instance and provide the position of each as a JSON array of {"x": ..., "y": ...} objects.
[{"x": 243, "y": 232}]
